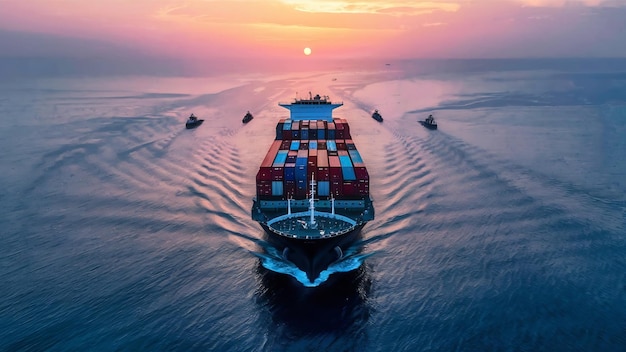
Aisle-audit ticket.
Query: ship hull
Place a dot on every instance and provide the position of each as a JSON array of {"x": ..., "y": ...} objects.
[
  {"x": 313, "y": 255},
  {"x": 193, "y": 124},
  {"x": 428, "y": 125}
]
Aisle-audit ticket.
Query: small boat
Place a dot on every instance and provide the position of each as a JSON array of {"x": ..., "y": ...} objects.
[
  {"x": 377, "y": 116},
  {"x": 429, "y": 122},
  {"x": 247, "y": 117},
  {"x": 193, "y": 122}
]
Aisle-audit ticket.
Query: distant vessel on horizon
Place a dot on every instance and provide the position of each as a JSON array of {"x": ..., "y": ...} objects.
[{"x": 312, "y": 193}]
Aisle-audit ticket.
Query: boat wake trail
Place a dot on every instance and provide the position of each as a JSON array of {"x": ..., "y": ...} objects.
[{"x": 273, "y": 260}]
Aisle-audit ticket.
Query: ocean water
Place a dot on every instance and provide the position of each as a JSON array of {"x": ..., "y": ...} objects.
[{"x": 503, "y": 230}]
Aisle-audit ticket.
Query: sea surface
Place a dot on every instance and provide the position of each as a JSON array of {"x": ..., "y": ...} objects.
[{"x": 504, "y": 230}]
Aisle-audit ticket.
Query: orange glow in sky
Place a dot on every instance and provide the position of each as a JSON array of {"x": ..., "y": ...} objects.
[{"x": 331, "y": 28}]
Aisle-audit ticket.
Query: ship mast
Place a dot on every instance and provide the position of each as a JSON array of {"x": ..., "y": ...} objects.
[
  {"x": 289, "y": 205},
  {"x": 312, "y": 223}
]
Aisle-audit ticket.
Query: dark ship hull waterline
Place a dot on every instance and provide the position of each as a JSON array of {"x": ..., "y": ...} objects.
[{"x": 312, "y": 194}]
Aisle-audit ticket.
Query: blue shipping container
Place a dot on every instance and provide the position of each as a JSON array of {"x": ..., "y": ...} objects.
[
  {"x": 301, "y": 161},
  {"x": 331, "y": 145},
  {"x": 313, "y": 145},
  {"x": 348, "y": 173},
  {"x": 345, "y": 161},
  {"x": 280, "y": 158},
  {"x": 290, "y": 173},
  {"x": 356, "y": 157},
  {"x": 277, "y": 188},
  {"x": 323, "y": 188},
  {"x": 295, "y": 145}
]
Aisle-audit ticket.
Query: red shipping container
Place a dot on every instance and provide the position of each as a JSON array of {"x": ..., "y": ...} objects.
[
  {"x": 323, "y": 174},
  {"x": 336, "y": 189},
  {"x": 345, "y": 127},
  {"x": 277, "y": 173},
  {"x": 334, "y": 168},
  {"x": 264, "y": 188},
  {"x": 322, "y": 166},
  {"x": 264, "y": 174},
  {"x": 349, "y": 188},
  {"x": 312, "y": 162},
  {"x": 361, "y": 173},
  {"x": 312, "y": 168},
  {"x": 363, "y": 188},
  {"x": 339, "y": 133},
  {"x": 271, "y": 154}
]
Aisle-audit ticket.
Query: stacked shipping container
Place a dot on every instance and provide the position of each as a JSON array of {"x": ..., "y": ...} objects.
[{"x": 312, "y": 148}]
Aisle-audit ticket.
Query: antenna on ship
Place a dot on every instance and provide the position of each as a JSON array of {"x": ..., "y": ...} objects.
[{"x": 288, "y": 204}]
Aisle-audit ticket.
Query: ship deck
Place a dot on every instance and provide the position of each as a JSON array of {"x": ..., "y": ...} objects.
[{"x": 298, "y": 225}]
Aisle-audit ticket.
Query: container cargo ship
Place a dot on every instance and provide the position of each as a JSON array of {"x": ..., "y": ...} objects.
[{"x": 312, "y": 188}]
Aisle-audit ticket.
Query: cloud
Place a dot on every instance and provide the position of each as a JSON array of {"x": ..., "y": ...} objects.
[
  {"x": 434, "y": 24},
  {"x": 563, "y": 3},
  {"x": 393, "y": 8}
]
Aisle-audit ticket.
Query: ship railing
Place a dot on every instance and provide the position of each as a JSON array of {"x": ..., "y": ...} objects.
[
  {"x": 330, "y": 235},
  {"x": 345, "y": 219},
  {"x": 311, "y": 102},
  {"x": 308, "y": 213}
]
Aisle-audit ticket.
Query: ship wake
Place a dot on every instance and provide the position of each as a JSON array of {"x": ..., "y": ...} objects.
[{"x": 273, "y": 260}]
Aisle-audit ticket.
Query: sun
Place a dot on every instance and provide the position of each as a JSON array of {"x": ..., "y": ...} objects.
[{"x": 307, "y": 51}]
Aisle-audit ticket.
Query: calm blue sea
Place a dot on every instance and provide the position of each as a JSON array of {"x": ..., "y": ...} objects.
[{"x": 504, "y": 230}]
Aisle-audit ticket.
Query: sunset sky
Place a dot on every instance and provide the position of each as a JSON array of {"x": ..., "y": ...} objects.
[{"x": 206, "y": 29}]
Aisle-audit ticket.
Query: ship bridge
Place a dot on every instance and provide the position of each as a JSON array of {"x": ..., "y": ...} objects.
[{"x": 314, "y": 108}]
